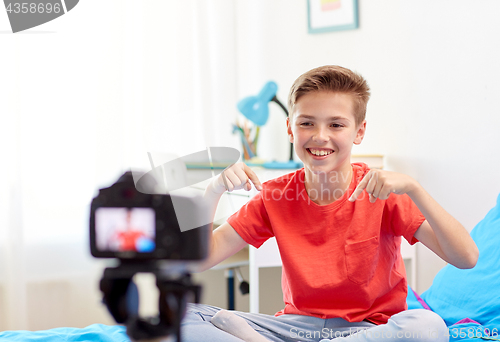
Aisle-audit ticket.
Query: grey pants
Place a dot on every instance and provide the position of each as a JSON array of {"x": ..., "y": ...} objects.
[{"x": 409, "y": 326}]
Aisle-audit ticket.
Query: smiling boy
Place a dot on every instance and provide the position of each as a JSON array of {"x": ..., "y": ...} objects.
[
  {"x": 340, "y": 244},
  {"x": 323, "y": 130}
]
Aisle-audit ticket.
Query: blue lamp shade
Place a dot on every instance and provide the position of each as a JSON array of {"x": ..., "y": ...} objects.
[{"x": 255, "y": 108}]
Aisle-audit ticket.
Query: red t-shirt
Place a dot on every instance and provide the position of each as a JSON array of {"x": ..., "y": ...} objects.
[{"x": 339, "y": 260}]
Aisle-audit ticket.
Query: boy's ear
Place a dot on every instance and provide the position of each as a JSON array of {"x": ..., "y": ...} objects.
[
  {"x": 289, "y": 130},
  {"x": 360, "y": 134}
]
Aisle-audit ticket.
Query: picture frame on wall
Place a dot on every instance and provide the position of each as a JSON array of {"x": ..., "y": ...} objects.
[{"x": 332, "y": 15}]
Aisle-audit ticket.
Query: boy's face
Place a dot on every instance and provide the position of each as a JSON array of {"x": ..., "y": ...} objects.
[{"x": 323, "y": 129}]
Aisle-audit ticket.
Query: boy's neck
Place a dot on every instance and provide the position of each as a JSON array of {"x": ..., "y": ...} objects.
[{"x": 325, "y": 188}]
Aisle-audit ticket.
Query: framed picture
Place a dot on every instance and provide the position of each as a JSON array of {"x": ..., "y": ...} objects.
[{"x": 332, "y": 15}]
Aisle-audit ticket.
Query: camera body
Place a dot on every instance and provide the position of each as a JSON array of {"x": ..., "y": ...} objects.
[{"x": 131, "y": 225}]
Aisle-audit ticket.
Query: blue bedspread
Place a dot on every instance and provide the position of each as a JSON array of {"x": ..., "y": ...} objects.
[{"x": 92, "y": 333}]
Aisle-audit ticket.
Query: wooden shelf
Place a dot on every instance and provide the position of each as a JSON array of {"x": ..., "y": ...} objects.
[{"x": 374, "y": 161}]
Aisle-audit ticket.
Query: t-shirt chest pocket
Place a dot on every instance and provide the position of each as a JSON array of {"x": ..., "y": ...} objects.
[{"x": 361, "y": 260}]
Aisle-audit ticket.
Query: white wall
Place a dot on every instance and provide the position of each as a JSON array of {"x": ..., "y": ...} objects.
[{"x": 433, "y": 69}]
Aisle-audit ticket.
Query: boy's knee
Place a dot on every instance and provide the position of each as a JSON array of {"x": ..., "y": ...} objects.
[
  {"x": 423, "y": 325},
  {"x": 437, "y": 329}
]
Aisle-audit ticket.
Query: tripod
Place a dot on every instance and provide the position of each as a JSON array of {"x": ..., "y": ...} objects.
[{"x": 121, "y": 298}]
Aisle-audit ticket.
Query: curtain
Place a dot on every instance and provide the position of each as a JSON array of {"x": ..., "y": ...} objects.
[{"x": 83, "y": 99}]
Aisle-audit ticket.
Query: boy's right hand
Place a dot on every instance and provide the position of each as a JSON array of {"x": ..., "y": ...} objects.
[{"x": 236, "y": 177}]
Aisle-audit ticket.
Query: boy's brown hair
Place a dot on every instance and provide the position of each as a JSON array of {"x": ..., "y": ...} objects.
[{"x": 335, "y": 79}]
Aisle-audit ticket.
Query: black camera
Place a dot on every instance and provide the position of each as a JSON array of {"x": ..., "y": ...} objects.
[
  {"x": 148, "y": 232},
  {"x": 128, "y": 224}
]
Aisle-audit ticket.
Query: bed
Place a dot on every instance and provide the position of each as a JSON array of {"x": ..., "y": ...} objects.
[{"x": 467, "y": 300}]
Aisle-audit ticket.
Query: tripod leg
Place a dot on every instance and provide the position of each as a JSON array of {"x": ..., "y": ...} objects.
[{"x": 236, "y": 326}]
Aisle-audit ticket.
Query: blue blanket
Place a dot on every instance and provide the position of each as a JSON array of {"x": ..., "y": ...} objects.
[{"x": 94, "y": 333}]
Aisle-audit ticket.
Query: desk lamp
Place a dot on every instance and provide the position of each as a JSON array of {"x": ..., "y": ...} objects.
[{"x": 255, "y": 109}]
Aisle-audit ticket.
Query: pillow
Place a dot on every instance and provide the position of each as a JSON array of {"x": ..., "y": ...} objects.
[
  {"x": 474, "y": 293},
  {"x": 414, "y": 301}
]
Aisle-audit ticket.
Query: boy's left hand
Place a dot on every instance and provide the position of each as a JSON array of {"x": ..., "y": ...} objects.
[{"x": 380, "y": 184}]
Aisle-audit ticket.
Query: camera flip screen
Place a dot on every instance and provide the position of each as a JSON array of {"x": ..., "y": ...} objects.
[{"x": 125, "y": 230}]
